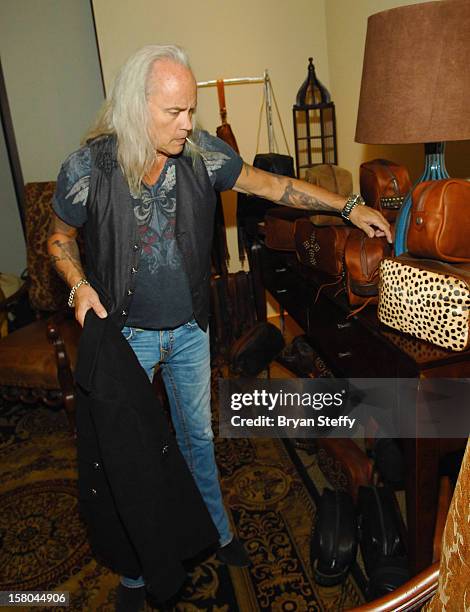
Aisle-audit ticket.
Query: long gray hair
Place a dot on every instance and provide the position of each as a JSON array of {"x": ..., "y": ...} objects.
[{"x": 125, "y": 113}]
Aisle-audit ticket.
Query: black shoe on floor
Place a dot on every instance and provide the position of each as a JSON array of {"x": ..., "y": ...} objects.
[
  {"x": 234, "y": 554},
  {"x": 130, "y": 600}
]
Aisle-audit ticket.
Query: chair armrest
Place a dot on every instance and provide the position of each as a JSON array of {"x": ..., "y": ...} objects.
[
  {"x": 55, "y": 338},
  {"x": 64, "y": 367},
  {"x": 410, "y": 596}
]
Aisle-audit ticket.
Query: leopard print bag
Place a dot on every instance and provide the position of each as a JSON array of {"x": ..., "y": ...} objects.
[{"x": 426, "y": 298}]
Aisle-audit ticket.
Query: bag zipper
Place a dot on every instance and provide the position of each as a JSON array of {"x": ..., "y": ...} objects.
[{"x": 394, "y": 179}]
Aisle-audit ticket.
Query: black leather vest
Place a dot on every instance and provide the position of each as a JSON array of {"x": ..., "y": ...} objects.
[{"x": 112, "y": 243}]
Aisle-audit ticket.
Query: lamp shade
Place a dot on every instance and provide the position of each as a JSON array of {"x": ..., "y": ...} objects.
[{"x": 416, "y": 75}]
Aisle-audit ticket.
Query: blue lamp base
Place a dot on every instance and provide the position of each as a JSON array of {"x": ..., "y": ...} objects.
[{"x": 434, "y": 169}]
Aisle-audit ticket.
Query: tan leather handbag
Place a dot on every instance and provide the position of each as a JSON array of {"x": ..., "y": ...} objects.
[
  {"x": 335, "y": 179},
  {"x": 440, "y": 221}
]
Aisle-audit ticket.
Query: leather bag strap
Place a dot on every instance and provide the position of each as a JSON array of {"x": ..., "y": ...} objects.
[{"x": 221, "y": 96}]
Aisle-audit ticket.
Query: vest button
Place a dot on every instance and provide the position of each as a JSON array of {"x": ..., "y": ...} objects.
[
  {"x": 96, "y": 465},
  {"x": 94, "y": 492},
  {"x": 136, "y": 247}
]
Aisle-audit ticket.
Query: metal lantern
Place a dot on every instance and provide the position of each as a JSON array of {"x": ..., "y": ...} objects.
[{"x": 314, "y": 124}]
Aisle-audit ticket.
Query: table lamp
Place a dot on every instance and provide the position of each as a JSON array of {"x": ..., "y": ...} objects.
[{"x": 416, "y": 85}]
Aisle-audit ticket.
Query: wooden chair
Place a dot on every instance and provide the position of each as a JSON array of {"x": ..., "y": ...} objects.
[
  {"x": 37, "y": 361},
  {"x": 444, "y": 585}
]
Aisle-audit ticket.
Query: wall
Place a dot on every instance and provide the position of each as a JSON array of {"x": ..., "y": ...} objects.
[
  {"x": 54, "y": 88},
  {"x": 12, "y": 247},
  {"x": 346, "y": 32},
  {"x": 52, "y": 77},
  {"x": 224, "y": 39}
]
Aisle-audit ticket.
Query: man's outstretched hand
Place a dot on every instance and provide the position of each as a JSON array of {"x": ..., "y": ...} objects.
[{"x": 371, "y": 221}]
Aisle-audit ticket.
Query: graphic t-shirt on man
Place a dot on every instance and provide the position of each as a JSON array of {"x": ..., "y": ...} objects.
[{"x": 162, "y": 298}]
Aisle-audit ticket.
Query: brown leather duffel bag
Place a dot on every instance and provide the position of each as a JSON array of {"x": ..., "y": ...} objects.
[
  {"x": 279, "y": 226},
  {"x": 440, "y": 221},
  {"x": 362, "y": 257},
  {"x": 321, "y": 248},
  {"x": 384, "y": 186}
]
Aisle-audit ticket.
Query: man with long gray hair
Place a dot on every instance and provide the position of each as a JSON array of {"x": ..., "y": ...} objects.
[{"x": 150, "y": 268}]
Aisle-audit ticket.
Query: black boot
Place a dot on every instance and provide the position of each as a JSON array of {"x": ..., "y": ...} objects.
[{"x": 234, "y": 554}]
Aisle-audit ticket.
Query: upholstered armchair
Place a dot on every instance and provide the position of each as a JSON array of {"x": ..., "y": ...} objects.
[
  {"x": 36, "y": 361},
  {"x": 445, "y": 586}
]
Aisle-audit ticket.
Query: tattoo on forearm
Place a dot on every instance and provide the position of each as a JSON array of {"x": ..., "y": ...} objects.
[
  {"x": 299, "y": 199},
  {"x": 55, "y": 260},
  {"x": 69, "y": 253}
]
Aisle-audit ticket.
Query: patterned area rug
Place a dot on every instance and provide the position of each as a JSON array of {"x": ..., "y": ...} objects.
[{"x": 43, "y": 543}]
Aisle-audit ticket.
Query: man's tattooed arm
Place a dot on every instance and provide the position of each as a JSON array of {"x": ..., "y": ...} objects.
[
  {"x": 65, "y": 256},
  {"x": 63, "y": 251},
  {"x": 68, "y": 253},
  {"x": 300, "y": 194},
  {"x": 297, "y": 198},
  {"x": 287, "y": 191}
]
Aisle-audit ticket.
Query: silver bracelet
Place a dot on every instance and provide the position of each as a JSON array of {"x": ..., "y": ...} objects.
[
  {"x": 71, "y": 300},
  {"x": 354, "y": 200}
]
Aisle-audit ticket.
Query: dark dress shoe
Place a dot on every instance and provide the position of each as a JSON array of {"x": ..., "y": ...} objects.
[{"x": 233, "y": 554}]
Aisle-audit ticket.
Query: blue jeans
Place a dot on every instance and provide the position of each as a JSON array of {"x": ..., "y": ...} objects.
[{"x": 184, "y": 357}]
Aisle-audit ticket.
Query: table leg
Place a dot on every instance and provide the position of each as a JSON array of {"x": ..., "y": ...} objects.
[{"x": 258, "y": 285}]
